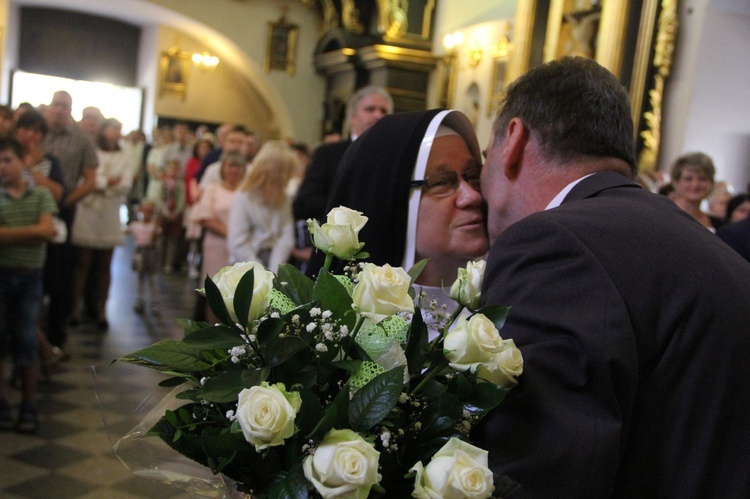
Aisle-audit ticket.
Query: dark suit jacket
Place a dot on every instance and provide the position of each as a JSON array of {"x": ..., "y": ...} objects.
[
  {"x": 312, "y": 196},
  {"x": 634, "y": 324},
  {"x": 737, "y": 235}
]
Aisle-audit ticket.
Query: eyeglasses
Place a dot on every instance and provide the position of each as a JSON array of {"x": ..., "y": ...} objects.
[{"x": 445, "y": 183}]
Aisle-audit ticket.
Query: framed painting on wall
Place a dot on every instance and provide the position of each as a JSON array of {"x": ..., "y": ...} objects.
[
  {"x": 635, "y": 40},
  {"x": 174, "y": 70},
  {"x": 497, "y": 85},
  {"x": 281, "y": 46}
]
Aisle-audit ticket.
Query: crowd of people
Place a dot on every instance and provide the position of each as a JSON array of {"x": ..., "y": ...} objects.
[
  {"x": 625, "y": 303},
  {"x": 196, "y": 200}
]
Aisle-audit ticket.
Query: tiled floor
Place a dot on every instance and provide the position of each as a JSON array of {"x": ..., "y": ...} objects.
[{"x": 89, "y": 403}]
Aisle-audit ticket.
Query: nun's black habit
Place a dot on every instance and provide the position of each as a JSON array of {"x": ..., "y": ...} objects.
[{"x": 374, "y": 177}]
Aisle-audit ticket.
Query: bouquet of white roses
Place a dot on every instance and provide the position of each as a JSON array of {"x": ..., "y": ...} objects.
[{"x": 332, "y": 386}]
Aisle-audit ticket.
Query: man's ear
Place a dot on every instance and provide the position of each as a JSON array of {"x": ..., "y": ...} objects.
[{"x": 516, "y": 137}]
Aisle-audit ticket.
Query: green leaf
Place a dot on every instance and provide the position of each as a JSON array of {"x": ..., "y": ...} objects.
[
  {"x": 334, "y": 297},
  {"x": 335, "y": 415},
  {"x": 254, "y": 377},
  {"x": 214, "y": 338},
  {"x": 168, "y": 355},
  {"x": 171, "y": 417},
  {"x": 278, "y": 350},
  {"x": 375, "y": 400},
  {"x": 296, "y": 285},
  {"x": 496, "y": 313},
  {"x": 243, "y": 297},
  {"x": 310, "y": 411},
  {"x": 269, "y": 328},
  {"x": 351, "y": 365},
  {"x": 460, "y": 386},
  {"x": 416, "y": 344},
  {"x": 216, "y": 302},
  {"x": 417, "y": 269},
  {"x": 190, "y": 326},
  {"x": 484, "y": 398},
  {"x": 222, "y": 388},
  {"x": 173, "y": 381},
  {"x": 440, "y": 416},
  {"x": 292, "y": 485}
]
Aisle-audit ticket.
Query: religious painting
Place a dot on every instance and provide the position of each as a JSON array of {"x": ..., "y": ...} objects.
[
  {"x": 174, "y": 69},
  {"x": 635, "y": 40},
  {"x": 497, "y": 85},
  {"x": 573, "y": 28},
  {"x": 281, "y": 46}
]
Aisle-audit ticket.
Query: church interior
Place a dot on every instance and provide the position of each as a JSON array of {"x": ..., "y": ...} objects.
[{"x": 285, "y": 69}]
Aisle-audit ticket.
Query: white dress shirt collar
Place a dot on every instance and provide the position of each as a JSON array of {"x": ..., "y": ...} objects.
[{"x": 557, "y": 200}]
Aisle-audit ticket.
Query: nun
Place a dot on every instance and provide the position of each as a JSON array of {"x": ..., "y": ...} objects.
[{"x": 415, "y": 175}]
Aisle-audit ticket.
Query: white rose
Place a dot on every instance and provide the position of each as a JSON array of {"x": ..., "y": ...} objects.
[
  {"x": 476, "y": 345},
  {"x": 228, "y": 278},
  {"x": 339, "y": 236},
  {"x": 344, "y": 466},
  {"x": 266, "y": 414},
  {"x": 504, "y": 367},
  {"x": 467, "y": 289},
  {"x": 457, "y": 471},
  {"x": 382, "y": 292}
]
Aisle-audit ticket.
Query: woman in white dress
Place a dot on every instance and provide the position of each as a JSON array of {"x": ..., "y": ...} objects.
[
  {"x": 261, "y": 226},
  {"x": 97, "y": 228}
]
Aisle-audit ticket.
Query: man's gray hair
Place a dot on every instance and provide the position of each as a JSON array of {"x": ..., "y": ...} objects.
[{"x": 363, "y": 92}]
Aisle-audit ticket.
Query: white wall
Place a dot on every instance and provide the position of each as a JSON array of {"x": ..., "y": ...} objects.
[
  {"x": 707, "y": 106},
  {"x": 719, "y": 111}
]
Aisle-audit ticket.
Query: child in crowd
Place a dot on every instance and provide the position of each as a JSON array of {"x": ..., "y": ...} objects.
[
  {"x": 25, "y": 228},
  {"x": 146, "y": 230},
  {"x": 169, "y": 195}
]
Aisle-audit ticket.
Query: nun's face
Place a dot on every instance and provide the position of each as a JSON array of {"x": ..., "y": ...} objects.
[{"x": 451, "y": 226}]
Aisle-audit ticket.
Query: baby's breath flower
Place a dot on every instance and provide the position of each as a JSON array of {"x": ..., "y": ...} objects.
[
  {"x": 235, "y": 360},
  {"x": 275, "y": 315},
  {"x": 403, "y": 397},
  {"x": 344, "y": 331},
  {"x": 314, "y": 312},
  {"x": 295, "y": 319},
  {"x": 230, "y": 415},
  {"x": 385, "y": 437},
  {"x": 321, "y": 347},
  {"x": 311, "y": 327},
  {"x": 326, "y": 314}
]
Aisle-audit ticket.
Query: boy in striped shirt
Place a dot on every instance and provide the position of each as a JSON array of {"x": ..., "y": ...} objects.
[{"x": 25, "y": 228}]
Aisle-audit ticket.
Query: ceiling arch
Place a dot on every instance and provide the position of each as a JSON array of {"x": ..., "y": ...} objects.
[{"x": 145, "y": 13}]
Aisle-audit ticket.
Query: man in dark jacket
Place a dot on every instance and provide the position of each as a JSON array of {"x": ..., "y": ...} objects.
[{"x": 632, "y": 318}]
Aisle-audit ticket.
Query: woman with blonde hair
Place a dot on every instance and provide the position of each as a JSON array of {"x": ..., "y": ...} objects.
[
  {"x": 693, "y": 180},
  {"x": 261, "y": 227}
]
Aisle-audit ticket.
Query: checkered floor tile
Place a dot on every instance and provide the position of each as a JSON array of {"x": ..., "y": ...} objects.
[{"x": 89, "y": 403}]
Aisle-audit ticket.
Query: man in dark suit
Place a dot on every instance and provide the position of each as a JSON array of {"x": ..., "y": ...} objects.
[
  {"x": 737, "y": 235},
  {"x": 364, "y": 108},
  {"x": 633, "y": 319}
]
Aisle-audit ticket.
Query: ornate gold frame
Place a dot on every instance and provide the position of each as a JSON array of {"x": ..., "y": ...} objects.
[
  {"x": 281, "y": 46},
  {"x": 497, "y": 84},
  {"x": 174, "y": 68},
  {"x": 649, "y": 35}
]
